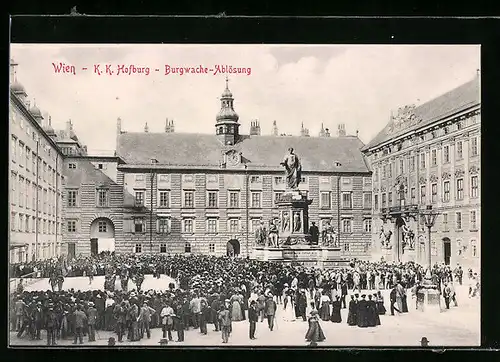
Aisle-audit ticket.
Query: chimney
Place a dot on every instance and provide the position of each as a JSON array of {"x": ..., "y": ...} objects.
[
  {"x": 275, "y": 129},
  {"x": 322, "y": 131},
  {"x": 254, "y": 128},
  {"x": 69, "y": 127},
  {"x": 341, "y": 130},
  {"x": 167, "y": 126},
  {"x": 146, "y": 128},
  {"x": 172, "y": 127},
  {"x": 118, "y": 126}
]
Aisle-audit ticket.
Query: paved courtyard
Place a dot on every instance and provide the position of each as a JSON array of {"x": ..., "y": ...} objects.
[{"x": 458, "y": 326}]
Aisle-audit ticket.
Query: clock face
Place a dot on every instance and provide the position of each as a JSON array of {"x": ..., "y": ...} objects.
[{"x": 234, "y": 158}]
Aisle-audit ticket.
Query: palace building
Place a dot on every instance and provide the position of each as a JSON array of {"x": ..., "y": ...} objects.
[
  {"x": 170, "y": 192},
  {"x": 429, "y": 156},
  {"x": 36, "y": 180}
]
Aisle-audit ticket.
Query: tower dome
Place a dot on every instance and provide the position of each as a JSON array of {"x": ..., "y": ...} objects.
[
  {"x": 35, "y": 111},
  {"x": 17, "y": 87},
  {"x": 48, "y": 128}
]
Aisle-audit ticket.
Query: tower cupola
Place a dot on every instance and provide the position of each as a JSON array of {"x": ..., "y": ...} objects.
[{"x": 227, "y": 126}]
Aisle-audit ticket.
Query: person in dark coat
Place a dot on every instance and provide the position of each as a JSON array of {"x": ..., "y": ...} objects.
[
  {"x": 51, "y": 326},
  {"x": 336, "y": 307},
  {"x": 361, "y": 312},
  {"x": 314, "y": 232},
  {"x": 393, "y": 301},
  {"x": 91, "y": 321},
  {"x": 253, "y": 317},
  {"x": 214, "y": 310},
  {"x": 352, "y": 315},
  {"x": 179, "y": 319},
  {"x": 379, "y": 300},
  {"x": 371, "y": 312},
  {"x": 314, "y": 333},
  {"x": 301, "y": 305},
  {"x": 120, "y": 315},
  {"x": 204, "y": 315}
]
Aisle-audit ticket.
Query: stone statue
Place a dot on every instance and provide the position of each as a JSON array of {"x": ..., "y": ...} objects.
[
  {"x": 293, "y": 169},
  {"x": 329, "y": 236},
  {"x": 296, "y": 222},
  {"x": 285, "y": 221},
  {"x": 260, "y": 234},
  {"x": 273, "y": 234},
  {"x": 408, "y": 237},
  {"x": 385, "y": 237}
]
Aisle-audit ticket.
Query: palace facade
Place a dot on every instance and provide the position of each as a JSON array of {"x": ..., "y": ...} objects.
[
  {"x": 429, "y": 155},
  {"x": 171, "y": 192},
  {"x": 36, "y": 180}
]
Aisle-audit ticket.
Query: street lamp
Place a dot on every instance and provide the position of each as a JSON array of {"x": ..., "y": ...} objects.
[
  {"x": 429, "y": 217},
  {"x": 152, "y": 176}
]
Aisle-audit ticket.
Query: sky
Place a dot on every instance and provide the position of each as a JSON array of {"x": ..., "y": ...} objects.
[{"x": 330, "y": 84}]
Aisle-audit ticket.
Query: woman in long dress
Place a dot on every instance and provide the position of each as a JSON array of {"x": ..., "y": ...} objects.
[
  {"x": 380, "y": 303},
  {"x": 324, "y": 312},
  {"x": 314, "y": 333},
  {"x": 289, "y": 310},
  {"x": 336, "y": 306},
  {"x": 236, "y": 314}
]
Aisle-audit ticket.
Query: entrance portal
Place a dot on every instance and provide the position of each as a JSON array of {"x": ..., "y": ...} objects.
[
  {"x": 233, "y": 247},
  {"x": 102, "y": 236},
  {"x": 447, "y": 250}
]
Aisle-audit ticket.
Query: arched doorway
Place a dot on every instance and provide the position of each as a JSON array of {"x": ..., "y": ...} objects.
[
  {"x": 447, "y": 251},
  {"x": 233, "y": 247},
  {"x": 102, "y": 236}
]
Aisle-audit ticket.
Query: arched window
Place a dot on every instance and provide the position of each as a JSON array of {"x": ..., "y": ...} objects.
[
  {"x": 473, "y": 244},
  {"x": 221, "y": 130}
]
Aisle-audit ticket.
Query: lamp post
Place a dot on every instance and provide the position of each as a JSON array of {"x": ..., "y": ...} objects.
[
  {"x": 429, "y": 216},
  {"x": 152, "y": 176}
]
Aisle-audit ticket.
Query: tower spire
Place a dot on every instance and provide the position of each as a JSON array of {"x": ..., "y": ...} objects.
[
  {"x": 227, "y": 82},
  {"x": 146, "y": 128}
]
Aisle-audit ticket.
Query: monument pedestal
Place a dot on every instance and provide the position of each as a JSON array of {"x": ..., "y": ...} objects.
[{"x": 429, "y": 299}]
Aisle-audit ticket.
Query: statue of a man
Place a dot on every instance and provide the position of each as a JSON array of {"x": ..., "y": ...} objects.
[
  {"x": 293, "y": 169},
  {"x": 296, "y": 222}
]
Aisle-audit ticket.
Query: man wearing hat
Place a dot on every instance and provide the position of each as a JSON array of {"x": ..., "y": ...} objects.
[
  {"x": 91, "y": 321},
  {"x": 424, "y": 342},
  {"x": 270, "y": 310},
  {"x": 225, "y": 322},
  {"x": 252, "y": 318},
  {"x": 51, "y": 326},
  {"x": 145, "y": 319}
]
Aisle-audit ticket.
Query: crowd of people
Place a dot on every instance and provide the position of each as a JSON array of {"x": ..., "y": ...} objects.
[{"x": 210, "y": 290}]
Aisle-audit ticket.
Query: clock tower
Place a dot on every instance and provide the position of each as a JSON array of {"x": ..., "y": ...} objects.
[{"x": 227, "y": 126}]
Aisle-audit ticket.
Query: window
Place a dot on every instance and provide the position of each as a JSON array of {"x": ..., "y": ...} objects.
[
  {"x": 347, "y": 200},
  {"x": 256, "y": 199},
  {"x": 13, "y": 221},
  {"x": 20, "y": 223},
  {"x": 138, "y": 248},
  {"x": 367, "y": 225},
  {"x": 33, "y": 163},
  {"x": 279, "y": 180},
  {"x": 139, "y": 225},
  {"x": 211, "y": 248},
  {"x": 401, "y": 166},
  {"x": 446, "y": 191},
  {"x": 103, "y": 226},
  {"x": 254, "y": 224},
  {"x": 433, "y": 157},
  {"x": 446, "y": 154},
  {"x": 139, "y": 178},
  {"x": 389, "y": 170},
  {"x": 303, "y": 179},
  {"x": 212, "y": 225},
  {"x": 72, "y": 198},
  {"x": 139, "y": 198},
  {"x": 187, "y": 247},
  {"x": 458, "y": 218},
  {"x": 233, "y": 225},
  {"x": 346, "y": 247},
  {"x": 163, "y": 178},
  {"x": 460, "y": 125},
  {"x": 346, "y": 180},
  {"x": 384, "y": 172},
  {"x": 390, "y": 198},
  {"x": 71, "y": 226},
  {"x": 346, "y": 225},
  {"x": 164, "y": 198},
  {"x": 422, "y": 160},
  {"x": 163, "y": 248},
  {"x": 474, "y": 248},
  {"x": 445, "y": 222},
  {"x": 14, "y": 148},
  {"x": 474, "y": 187},
  {"x": 234, "y": 198},
  {"x": 324, "y": 179},
  {"x": 384, "y": 200},
  {"x": 434, "y": 192},
  {"x": 473, "y": 220},
  {"x": 188, "y": 226},
  {"x": 72, "y": 166},
  {"x": 376, "y": 202},
  {"x": 21, "y": 191},
  {"x": 474, "y": 150},
  {"x": 188, "y": 198},
  {"x": 33, "y": 224},
  {"x": 28, "y": 188},
  {"x": 422, "y": 195},
  {"x": 100, "y": 166},
  {"x": 102, "y": 197},
  {"x": 412, "y": 195},
  {"x": 326, "y": 200},
  {"x": 255, "y": 179},
  {"x": 212, "y": 199},
  {"x": 27, "y": 224},
  {"x": 412, "y": 163},
  {"x": 459, "y": 150},
  {"x": 367, "y": 200},
  {"x": 164, "y": 225},
  {"x": 277, "y": 196},
  {"x": 446, "y": 130},
  {"x": 460, "y": 189}
]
